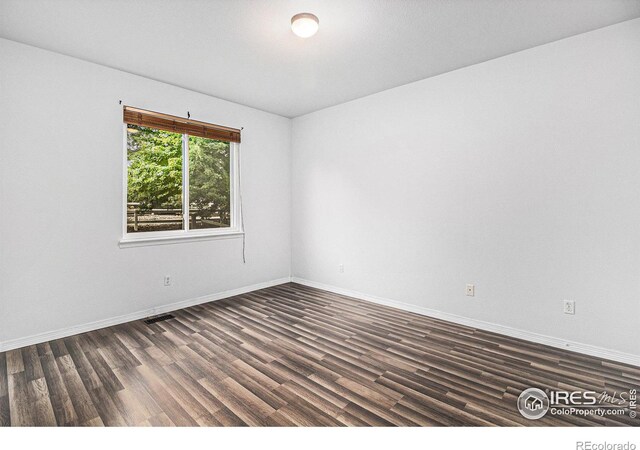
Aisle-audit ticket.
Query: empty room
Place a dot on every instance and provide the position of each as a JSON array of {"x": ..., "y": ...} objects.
[{"x": 324, "y": 214}]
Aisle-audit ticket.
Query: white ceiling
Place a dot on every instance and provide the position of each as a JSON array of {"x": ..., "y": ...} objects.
[{"x": 244, "y": 51}]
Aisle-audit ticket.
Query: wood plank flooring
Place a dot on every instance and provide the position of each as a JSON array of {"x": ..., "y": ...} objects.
[{"x": 291, "y": 355}]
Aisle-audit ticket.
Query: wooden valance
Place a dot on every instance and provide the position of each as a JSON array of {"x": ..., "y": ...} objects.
[{"x": 151, "y": 119}]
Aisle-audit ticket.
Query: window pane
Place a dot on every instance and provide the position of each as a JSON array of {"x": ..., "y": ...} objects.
[
  {"x": 209, "y": 183},
  {"x": 154, "y": 180}
]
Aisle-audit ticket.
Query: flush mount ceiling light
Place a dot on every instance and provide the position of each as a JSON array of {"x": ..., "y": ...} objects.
[{"x": 304, "y": 25}]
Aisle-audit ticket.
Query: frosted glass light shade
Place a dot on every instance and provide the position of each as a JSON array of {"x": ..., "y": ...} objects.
[{"x": 304, "y": 25}]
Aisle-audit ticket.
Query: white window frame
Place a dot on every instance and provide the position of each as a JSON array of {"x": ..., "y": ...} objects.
[{"x": 185, "y": 235}]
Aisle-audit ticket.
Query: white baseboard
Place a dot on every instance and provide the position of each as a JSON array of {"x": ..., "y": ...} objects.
[
  {"x": 70, "y": 331},
  {"x": 577, "y": 347}
]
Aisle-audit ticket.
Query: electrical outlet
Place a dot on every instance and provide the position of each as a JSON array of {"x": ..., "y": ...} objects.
[
  {"x": 341, "y": 268},
  {"x": 569, "y": 306},
  {"x": 470, "y": 291},
  {"x": 167, "y": 280}
]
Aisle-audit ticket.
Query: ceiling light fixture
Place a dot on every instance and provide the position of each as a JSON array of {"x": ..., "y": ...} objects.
[{"x": 304, "y": 25}]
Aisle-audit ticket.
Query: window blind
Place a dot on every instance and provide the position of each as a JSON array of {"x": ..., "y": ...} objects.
[{"x": 166, "y": 122}]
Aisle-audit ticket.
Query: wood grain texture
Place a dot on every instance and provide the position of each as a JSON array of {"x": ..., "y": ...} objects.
[
  {"x": 175, "y": 124},
  {"x": 291, "y": 355}
]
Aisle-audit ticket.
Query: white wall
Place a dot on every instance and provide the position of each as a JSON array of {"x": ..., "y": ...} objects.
[
  {"x": 520, "y": 175},
  {"x": 61, "y": 197}
]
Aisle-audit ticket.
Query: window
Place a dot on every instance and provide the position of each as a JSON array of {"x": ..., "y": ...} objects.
[{"x": 181, "y": 178}]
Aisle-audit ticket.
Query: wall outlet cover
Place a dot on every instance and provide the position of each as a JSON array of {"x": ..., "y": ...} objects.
[
  {"x": 569, "y": 306},
  {"x": 470, "y": 290}
]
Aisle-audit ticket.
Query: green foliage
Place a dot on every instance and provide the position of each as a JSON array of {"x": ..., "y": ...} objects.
[
  {"x": 155, "y": 168},
  {"x": 209, "y": 176},
  {"x": 155, "y": 172}
]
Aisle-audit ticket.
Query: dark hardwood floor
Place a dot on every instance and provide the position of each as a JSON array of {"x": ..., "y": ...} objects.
[{"x": 292, "y": 355}]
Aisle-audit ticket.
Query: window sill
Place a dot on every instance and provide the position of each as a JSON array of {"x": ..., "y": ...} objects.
[{"x": 142, "y": 241}]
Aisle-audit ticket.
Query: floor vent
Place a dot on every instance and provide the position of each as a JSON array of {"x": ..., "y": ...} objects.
[{"x": 155, "y": 319}]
